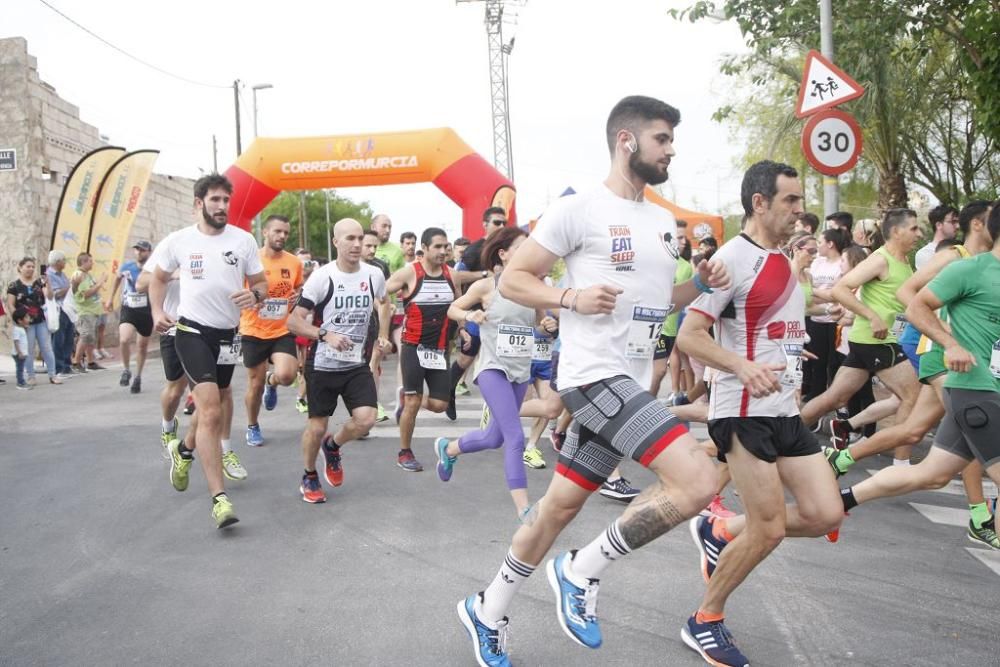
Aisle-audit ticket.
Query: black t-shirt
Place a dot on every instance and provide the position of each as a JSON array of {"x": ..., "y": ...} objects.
[
  {"x": 380, "y": 265},
  {"x": 32, "y": 298},
  {"x": 471, "y": 255}
]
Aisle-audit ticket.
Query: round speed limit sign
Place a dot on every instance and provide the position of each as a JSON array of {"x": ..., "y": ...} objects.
[{"x": 831, "y": 141}]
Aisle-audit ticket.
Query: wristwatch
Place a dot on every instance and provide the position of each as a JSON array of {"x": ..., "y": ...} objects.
[
  {"x": 321, "y": 335},
  {"x": 484, "y": 273}
]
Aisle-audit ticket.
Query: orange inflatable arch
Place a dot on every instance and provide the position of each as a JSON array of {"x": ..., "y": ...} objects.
[{"x": 439, "y": 156}]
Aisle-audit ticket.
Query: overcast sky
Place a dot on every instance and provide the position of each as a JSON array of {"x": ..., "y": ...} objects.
[{"x": 380, "y": 65}]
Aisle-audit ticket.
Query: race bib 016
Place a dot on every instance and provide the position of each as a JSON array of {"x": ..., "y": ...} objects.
[
  {"x": 643, "y": 331},
  {"x": 431, "y": 359}
]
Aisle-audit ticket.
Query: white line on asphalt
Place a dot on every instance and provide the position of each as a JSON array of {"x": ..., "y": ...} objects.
[
  {"x": 990, "y": 559},
  {"x": 943, "y": 515}
]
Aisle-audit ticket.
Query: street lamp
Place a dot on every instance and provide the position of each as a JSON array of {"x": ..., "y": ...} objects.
[{"x": 255, "y": 88}]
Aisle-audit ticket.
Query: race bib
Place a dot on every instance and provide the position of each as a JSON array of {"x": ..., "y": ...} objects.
[
  {"x": 995, "y": 360},
  {"x": 542, "y": 350},
  {"x": 354, "y": 354},
  {"x": 514, "y": 341},
  {"x": 273, "y": 309},
  {"x": 792, "y": 375},
  {"x": 643, "y": 331},
  {"x": 229, "y": 353},
  {"x": 431, "y": 359},
  {"x": 136, "y": 300},
  {"x": 898, "y": 325}
]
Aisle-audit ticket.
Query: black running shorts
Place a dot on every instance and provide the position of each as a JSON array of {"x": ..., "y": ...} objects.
[
  {"x": 140, "y": 318},
  {"x": 664, "y": 346},
  {"x": 766, "y": 438},
  {"x": 414, "y": 375},
  {"x": 874, "y": 357},
  {"x": 356, "y": 386},
  {"x": 198, "y": 349},
  {"x": 172, "y": 368},
  {"x": 612, "y": 419},
  {"x": 257, "y": 351}
]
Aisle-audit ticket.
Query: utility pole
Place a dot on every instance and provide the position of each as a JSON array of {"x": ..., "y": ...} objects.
[
  {"x": 302, "y": 220},
  {"x": 831, "y": 185},
  {"x": 236, "y": 101},
  {"x": 215, "y": 156}
]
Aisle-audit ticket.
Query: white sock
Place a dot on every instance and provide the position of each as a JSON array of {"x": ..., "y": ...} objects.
[
  {"x": 590, "y": 561},
  {"x": 901, "y": 462},
  {"x": 499, "y": 594},
  {"x": 227, "y": 446},
  {"x": 167, "y": 425}
]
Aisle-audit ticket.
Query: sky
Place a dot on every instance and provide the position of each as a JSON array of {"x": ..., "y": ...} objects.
[{"x": 364, "y": 66}]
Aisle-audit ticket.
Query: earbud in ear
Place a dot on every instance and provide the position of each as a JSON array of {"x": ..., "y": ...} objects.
[{"x": 631, "y": 146}]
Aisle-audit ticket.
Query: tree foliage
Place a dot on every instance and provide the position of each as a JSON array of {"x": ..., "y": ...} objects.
[{"x": 314, "y": 203}]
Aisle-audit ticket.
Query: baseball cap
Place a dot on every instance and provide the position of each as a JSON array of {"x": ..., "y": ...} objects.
[{"x": 143, "y": 245}]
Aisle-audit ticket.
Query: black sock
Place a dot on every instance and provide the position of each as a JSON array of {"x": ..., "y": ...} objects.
[
  {"x": 184, "y": 451},
  {"x": 456, "y": 374},
  {"x": 333, "y": 446},
  {"x": 847, "y": 496},
  {"x": 310, "y": 473},
  {"x": 216, "y": 497}
]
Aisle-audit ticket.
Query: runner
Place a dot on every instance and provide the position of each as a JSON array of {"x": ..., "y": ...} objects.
[
  {"x": 408, "y": 244},
  {"x": 970, "y": 341},
  {"x": 753, "y": 414},
  {"x": 265, "y": 336},
  {"x": 369, "y": 245},
  {"x": 944, "y": 220},
  {"x": 428, "y": 291},
  {"x": 214, "y": 258},
  {"x": 136, "y": 318},
  {"x": 822, "y": 327},
  {"x": 336, "y": 311},
  {"x": 612, "y": 241},
  {"x": 504, "y": 370},
  {"x": 668, "y": 334},
  {"x": 874, "y": 349}
]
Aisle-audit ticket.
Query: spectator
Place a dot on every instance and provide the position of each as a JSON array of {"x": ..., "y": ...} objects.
[
  {"x": 19, "y": 340},
  {"x": 62, "y": 340},
  {"x": 29, "y": 293},
  {"x": 840, "y": 220},
  {"x": 461, "y": 243},
  {"x": 87, "y": 297},
  {"x": 807, "y": 222}
]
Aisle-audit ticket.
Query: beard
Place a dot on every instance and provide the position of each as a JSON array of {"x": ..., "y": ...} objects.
[
  {"x": 277, "y": 245},
  {"x": 650, "y": 173},
  {"x": 212, "y": 221}
]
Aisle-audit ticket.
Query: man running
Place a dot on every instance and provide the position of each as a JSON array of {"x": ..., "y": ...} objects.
[
  {"x": 369, "y": 245},
  {"x": 944, "y": 223},
  {"x": 879, "y": 320},
  {"x": 336, "y": 310},
  {"x": 265, "y": 337},
  {"x": 214, "y": 259},
  {"x": 753, "y": 413},
  {"x": 408, "y": 243},
  {"x": 428, "y": 291},
  {"x": 612, "y": 240},
  {"x": 136, "y": 318},
  {"x": 970, "y": 340}
]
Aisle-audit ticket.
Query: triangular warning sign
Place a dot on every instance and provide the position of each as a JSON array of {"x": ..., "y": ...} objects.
[{"x": 824, "y": 85}]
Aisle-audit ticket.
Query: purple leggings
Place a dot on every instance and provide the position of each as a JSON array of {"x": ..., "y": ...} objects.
[{"x": 504, "y": 400}]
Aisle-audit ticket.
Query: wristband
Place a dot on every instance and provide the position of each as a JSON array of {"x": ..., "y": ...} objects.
[
  {"x": 572, "y": 304},
  {"x": 563, "y": 297},
  {"x": 702, "y": 287}
]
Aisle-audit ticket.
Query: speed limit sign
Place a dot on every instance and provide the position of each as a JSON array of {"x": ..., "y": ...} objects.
[{"x": 831, "y": 141}]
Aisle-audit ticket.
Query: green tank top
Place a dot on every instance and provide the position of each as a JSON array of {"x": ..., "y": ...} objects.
[
  {"x": 880, "y": 296},
  {"x": 807, "y": 289},
  {"x": 683, "y": 274}
]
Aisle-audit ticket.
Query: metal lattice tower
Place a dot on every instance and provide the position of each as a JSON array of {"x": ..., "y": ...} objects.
[{"x": 499, "y": 50}]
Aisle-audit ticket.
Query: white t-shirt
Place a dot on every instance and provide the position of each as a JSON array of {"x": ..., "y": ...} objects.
[
  {"x": 172, "y": 299},
  {"x": 342, "y": 303},
  {"x": 212, "y": 267},
  {"x": 825, "y": 274},
  {"x": 761, "y": 317},
  {"x": 608, "y": 240},
  {"x": 925, "y": 254}
]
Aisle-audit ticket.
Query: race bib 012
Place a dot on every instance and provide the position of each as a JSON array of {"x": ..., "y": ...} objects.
[{"x": 514, "y": 341}]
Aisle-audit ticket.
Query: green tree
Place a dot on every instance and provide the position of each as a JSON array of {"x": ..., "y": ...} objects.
[{"x": 311, "y": 206}]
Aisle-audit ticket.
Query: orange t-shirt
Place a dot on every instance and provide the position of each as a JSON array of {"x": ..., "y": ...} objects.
[{"x": 284, "y": 277}]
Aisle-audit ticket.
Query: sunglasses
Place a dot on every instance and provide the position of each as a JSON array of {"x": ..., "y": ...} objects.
[
  {"x": 498, "y": 222},
  {"x": 811, "y": 251}
]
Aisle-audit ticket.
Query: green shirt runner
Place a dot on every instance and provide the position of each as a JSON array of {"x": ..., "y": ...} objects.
[
  {"x": 681, "y": 275},
  {"x": 391, "y": 254},
  {"x": 880, "y": 296}
]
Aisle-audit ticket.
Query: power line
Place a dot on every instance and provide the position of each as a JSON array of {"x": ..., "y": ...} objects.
[{"x": 129, "y": 55}]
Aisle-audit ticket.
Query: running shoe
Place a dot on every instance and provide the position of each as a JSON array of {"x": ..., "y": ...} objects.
[
  {"x": 818, "y": 427},
  {"x": 838, "y": 460},
  {"x": 985, "y": 534},
  {"x": 619, "y": 490},
  {"x": 557, "y": 439},
  {"x": 576, "y": 608},
  {"x": 103, "y": 354},
  {"x": 484, "y": 419},
  {"x": 222, "y": 511},
  {"x": 380, "y": 415},
  {"x": 94, "y": 366},
  {"x": 232, "y": 468},
  {"x": 136, "y": 384},
  {"x": 270, "y": 393},
  {"x": 407, "y": 461},
  {"x": 679, "y": 398},
  {"x": 400, "y": 398},
  {"x": 311, "y": 490},
  {"x": 445, "y": 463},
  {"x": 717, "y": 508},
  {"x": 189, "y": 405},
  {"x": 489, "y": 645},
  {"x": 333, "y": 470},
  {"x": 533, "y": 458},
  {"x": 167, "y": 436},
  {"x": 126, "y": 377},
  {"x": 301, "y": 405},
  {"x": 451, "y": 412},
  {"x": 180, "y": 467},
  {"x": 254, "y": 437},
  {"x": 709, "y": 546},
  {"x": 462, "y": 389},
  {"x": 840, "y": 433},
  {"x": 713, "y": 641}
]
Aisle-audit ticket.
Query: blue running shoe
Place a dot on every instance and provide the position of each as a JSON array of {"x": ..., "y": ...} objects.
[
  {"x": 254, "y": 438},
  {"x": 445, "y": 462},
  {"x": 709, "y": 546},
  {"x": 714, "y": 643},
  {"x": 490, "y": 645},
  {"x": 576, "y": 607},
  {"x": 270, "y": 393}
]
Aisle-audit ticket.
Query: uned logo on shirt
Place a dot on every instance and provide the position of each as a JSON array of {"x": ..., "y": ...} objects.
[{"x": 230, "y": 258}]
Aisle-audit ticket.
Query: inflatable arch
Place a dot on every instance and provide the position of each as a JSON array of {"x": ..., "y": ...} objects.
[{"x": 312, "y": 163}]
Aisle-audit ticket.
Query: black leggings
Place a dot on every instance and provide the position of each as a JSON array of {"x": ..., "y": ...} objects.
[{"x": 818, "y": 373}]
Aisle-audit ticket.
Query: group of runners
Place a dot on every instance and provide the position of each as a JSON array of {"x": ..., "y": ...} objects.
[{"x": 215, "y": 297}]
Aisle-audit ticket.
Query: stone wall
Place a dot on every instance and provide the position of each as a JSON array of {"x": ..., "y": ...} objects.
[{"x": 50, "y": 138}]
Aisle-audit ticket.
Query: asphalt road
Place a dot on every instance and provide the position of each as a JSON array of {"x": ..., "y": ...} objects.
[{"x": 103, "y": 563}]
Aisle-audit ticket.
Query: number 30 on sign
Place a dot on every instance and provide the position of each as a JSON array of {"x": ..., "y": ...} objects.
[{"x": 831, "y": 141}]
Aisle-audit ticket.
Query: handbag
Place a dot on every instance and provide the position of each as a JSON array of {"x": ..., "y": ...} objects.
[{"x": 52, "y": 315}]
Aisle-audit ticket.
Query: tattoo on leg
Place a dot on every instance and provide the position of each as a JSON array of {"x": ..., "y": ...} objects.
[{"x": 654, "y": 516}]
